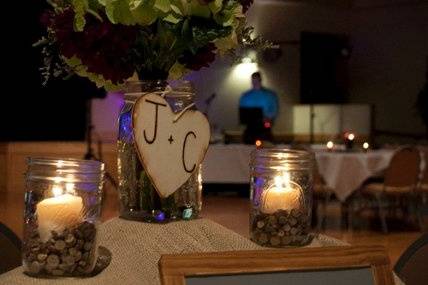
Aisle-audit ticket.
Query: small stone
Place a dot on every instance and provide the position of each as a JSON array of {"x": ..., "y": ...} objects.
[
  {"x": 80, "y": 243},
  {"x": 269, "y": 228},
  {"x": 60, "y": 245},
  {"x": 293, "y": 231},
  {"x": 35, "y": 267},
  {"x": 263, "y": 238},
  {"x": 58, "y": 272},
  {"x": 82, "y": 263},
  {"x": 70, "y": 240},
  {"x": 275, "y": 241},
  {"x": 287, "y": 228},
  {"x": 42, "y": 256},
  {"x": 68, "y": 259},
  {"x": 87, "y": 246},
  {"x": 260, "y": 224},
  {"x": 281, "y": 233},
  {"x": 187, "y": 213},
  {"x": 286, "y": 240},
  {"x": 52, "y": 261},
  {"x": 282, "y": 220},
  {"x": 159, "y": 216},
  {"x": 272, "y": 220},
  {"x": 32, "y": 257},
  {"x": 35, "y": 249},
  {"x": 295, "y": 213},
  {"x": 293, "y": 221}
]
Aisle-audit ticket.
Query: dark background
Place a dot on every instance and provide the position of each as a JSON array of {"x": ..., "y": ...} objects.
[
  {"x": 324, "y": 68},
  {"x": 30, "y": 111}
]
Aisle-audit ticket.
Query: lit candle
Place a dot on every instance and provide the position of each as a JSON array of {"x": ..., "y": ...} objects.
[
  {"x": 59, "y": 212},
  {"x": 366, "y": 146},
  {"x": 283, "y": 195},
  {"x": 330, "y": 145},
  {"x": 351, "y": 136}
]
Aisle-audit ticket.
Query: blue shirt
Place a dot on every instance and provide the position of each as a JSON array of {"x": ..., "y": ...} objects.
[{"x": 261, "y": 98}]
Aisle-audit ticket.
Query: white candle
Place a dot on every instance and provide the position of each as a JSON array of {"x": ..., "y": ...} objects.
[
  {"x": 59, "y": 212},
  {"x": 283, "y": 195}
]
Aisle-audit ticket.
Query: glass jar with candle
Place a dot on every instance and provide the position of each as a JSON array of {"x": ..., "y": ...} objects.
[
  {"x": 62, "y": 208},
  {"x": 281, "y": 195}
]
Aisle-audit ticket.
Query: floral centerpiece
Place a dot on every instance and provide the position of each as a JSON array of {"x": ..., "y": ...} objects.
[{"x": 108, "y": 41}]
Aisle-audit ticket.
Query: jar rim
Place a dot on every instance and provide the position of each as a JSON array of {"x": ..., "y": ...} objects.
[
  {"x": 65, "y": 162},
  {"x": 179, "y": 88},
  {"x": 281, "y": 159}
]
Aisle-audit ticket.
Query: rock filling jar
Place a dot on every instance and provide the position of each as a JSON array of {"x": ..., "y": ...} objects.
[
  {"x": 62, "y": 208},
  {"x": 281, "y": 195}
]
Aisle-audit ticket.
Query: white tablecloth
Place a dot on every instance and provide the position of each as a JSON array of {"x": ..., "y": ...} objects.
[{"x": 344, "y": 172}]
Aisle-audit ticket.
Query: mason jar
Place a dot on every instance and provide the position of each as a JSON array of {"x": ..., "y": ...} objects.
[
  {"x": 62, "y": 210},
  {"x": 281, "y": 197},
  {"x": 138, "y": 197}
]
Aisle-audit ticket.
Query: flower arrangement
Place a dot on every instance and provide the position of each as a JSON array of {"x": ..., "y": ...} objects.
[{"x": 108, "y": 41}]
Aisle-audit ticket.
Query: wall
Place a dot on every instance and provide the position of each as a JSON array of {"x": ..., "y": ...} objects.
[
  {"x": 387, "y": 68},
  {"x": 279, "y": 21}
]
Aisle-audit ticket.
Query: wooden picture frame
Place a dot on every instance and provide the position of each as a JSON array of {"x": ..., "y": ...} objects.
[{"x": 175, "y": 268}]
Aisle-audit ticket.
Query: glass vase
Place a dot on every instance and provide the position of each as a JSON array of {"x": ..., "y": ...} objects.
[
  {"x": 281, "y": 196},
  {"x": 62, "y": 209},
  {"x": 139, "y": 199}
]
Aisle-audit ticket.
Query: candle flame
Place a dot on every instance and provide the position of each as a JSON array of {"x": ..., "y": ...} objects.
[
  {"x": 330, "y": 144},
  {"x": 351, "y": 137},
  {"x": 69, "y": 187},
  {"x": 57, "y": 190},
  {"x": 366, "y": 145},
  {"x": 282, "y": 182}
]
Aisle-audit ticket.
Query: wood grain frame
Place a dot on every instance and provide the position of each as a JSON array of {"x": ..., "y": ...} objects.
[{"x": 174, "y": 268}]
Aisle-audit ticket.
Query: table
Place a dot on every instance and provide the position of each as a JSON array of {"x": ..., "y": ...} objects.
[
  {"x": 343, "y": 171},
  {"x": 136, "y": 248}
]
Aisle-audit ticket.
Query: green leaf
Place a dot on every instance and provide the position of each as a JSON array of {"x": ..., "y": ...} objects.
[
  {"x": 118, "y": 12},
  {"x": 176, "y": 10},
  {"x": 198, "y": 10},
  {"x": 144, "y": 12},
  {"x": 215, "y": 6},
  {"x": 171, "y": 18},
  {"x": 163, "y": 5},
  {"x": 80, "y": 7}
]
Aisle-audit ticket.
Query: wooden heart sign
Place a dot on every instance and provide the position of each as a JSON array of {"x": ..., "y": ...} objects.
[{"x": 171, "y": 145}]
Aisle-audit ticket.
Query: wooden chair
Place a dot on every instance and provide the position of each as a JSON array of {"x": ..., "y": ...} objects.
[
  {"x": 322, "y": 195},
  {"x": 411, "y": 267},
  {"x": 397, "y": 190},
  {"x": 421, "y": 197},
  {"x": 10, "y": 249}
]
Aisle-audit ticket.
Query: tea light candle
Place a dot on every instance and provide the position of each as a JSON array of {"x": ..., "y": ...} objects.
[
  {"x": 59, "y": 212},
  {"x": 283, "y": 195},
  {"x": 366, "y": 146},
  {"x": 330, "y": 145}
]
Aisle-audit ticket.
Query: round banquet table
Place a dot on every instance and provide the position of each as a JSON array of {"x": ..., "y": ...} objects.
[{"x": 344, "y": 172}]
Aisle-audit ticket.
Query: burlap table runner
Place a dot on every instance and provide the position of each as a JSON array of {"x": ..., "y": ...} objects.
[{"x": 136, "y": 248}]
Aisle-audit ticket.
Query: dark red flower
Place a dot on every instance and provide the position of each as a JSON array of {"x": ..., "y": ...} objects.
[
  {"x": 246, "y": 4},
  {"x": 102, "y": 46},
  {"x": 203, "y": 57}
]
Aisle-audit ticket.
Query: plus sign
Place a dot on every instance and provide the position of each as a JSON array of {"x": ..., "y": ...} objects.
[{"x": 170, "y": 139}]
